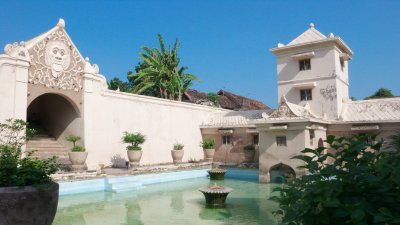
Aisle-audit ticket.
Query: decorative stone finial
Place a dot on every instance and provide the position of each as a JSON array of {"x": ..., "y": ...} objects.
[
  {"x": 331, "y": 35},
  {"x": 311, "y": 25},
  {"x": 87, "y": 59},
  {"x": 61, "y": 23},
  {"x": 283, "y": 99},
  {"x": 280, "y": 45}
]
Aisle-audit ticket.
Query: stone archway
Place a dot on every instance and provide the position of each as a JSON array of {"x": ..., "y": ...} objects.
[
  {"x": 56, "y": 116},
  {"x": 281, "y": 173}
]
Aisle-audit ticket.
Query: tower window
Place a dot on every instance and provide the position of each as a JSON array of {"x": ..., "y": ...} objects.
[
  {"x": 306, "y": 95},
  {"x": 342, "y": 64},
  {"x": 226, "y": 139},
  {"x": 255, "y": 139},
  {"x": 281, "y": 140},
  {"x": 312, "y": 136},
  {"x": 305, "y": 64}
]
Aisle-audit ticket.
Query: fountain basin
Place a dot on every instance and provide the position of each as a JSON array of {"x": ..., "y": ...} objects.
[
  {"x": 215, "y": 195},
  {"x": 216, "y": 174}
]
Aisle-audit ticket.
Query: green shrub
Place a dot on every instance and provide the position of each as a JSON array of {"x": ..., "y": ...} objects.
[
  {"x": 74, "y": 139},
  {"x": 249, "y": 148},
  {"x": 134, "y": 140},
  {"x": 394, "y": 141},
  {"x": 16, "y": 170},
  {"x": 78, "y": 148},
  {"x": 178, "y": 146},
  {"x": 214, "y": 98},
  {"x": 360, "y": 186},
  {"x": 208, "y": 143}
]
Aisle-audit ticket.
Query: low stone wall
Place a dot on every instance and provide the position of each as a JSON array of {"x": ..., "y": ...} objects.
[{"x": 107, "y": 114}]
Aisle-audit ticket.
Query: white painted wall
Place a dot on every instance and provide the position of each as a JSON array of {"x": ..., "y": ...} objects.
[
  {"x": 13, "y": 88},
  {"x": 109, "y": 113},
  {"x": 325, "y": 72}
]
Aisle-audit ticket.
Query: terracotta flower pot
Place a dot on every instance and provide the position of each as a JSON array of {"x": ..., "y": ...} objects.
[
  {"x": 177, "y": 155},
  {"x": 134, "y": 157},
  {"x": 209, "y": 154},
  {"x": 78, "y": 160},
  {"x": 29, "y": 205}
]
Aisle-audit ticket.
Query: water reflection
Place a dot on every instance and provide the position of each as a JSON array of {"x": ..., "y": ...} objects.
[
  {"x": 170, "y": 203},
  {"x": 207, "y": 213}
]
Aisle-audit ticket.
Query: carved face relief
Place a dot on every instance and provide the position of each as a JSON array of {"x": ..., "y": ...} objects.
[
  {"x": 283, "y": 109},
  {"x": 58, "y": 57}
]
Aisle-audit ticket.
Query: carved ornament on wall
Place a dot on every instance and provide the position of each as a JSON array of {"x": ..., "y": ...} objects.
[
  {"x": 329, "y": 93},
  {"x": 282, "y": 112},
  {"x": 55, "y": 63}
]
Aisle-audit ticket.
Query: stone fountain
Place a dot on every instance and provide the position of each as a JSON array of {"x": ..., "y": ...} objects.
[
  {"x": 217, "y": 174},
  {"x": 215, "y": 195}
]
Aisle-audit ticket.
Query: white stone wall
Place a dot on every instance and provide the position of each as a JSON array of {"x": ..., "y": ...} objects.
[
  {"x": 325, "y": 73},
  {"x": 107, "y": 114},
  {"x": 13, "y": 88}
]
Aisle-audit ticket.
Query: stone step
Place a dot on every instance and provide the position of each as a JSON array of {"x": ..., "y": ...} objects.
[
  {"x": 47, "y": 140},
  {"x": 43, "y": 143},
  {"x": 50, "y": 153},
  {"x": 43, "y": 137},
  {"x": 47, "y": 148}
]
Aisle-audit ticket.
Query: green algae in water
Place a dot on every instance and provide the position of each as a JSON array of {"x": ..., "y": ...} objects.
[{"x": 177, "y": 202}]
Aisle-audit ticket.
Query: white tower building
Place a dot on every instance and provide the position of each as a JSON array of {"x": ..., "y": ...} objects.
[{"x": 313, "y": 72}]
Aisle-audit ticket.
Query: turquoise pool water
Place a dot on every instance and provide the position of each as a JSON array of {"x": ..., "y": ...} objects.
[{"x": 177, "y": 202}]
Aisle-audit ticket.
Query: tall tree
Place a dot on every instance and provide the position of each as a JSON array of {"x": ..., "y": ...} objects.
[
  {"x": 159, "y": 73},
  {"x": 381, "y": 93}
]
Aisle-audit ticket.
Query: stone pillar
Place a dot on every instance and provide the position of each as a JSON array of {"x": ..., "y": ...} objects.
[{"x": 13, "y": 87}]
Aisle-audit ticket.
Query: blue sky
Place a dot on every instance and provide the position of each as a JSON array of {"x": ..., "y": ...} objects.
[{"x": 225, "y": 43}]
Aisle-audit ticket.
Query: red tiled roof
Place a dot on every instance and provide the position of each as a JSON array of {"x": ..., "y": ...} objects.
[{"x": 227, "y": 100}]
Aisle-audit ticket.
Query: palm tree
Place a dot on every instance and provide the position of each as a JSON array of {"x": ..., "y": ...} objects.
[{"x": 159, "y": 72}]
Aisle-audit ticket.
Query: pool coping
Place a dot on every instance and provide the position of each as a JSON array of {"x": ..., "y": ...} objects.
[{"x": 124, "y": 183}]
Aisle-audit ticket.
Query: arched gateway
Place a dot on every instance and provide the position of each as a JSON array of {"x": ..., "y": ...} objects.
[
  {"x": 54, "y": 115},
  {"x": 281, "y": 173},
  {"x": 54, "y": 91}
]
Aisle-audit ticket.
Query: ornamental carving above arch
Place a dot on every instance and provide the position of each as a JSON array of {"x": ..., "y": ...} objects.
[{"x": 55, "y": 63}]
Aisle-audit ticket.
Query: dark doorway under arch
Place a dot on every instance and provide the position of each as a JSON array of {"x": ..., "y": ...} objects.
[
  {"x": 320, "y": 143},
  {"x": 281, "y": 173},
  {"x": 54, "y": 115}
]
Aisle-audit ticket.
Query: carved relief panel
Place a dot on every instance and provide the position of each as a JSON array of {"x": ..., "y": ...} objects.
[{"x": 55, "y": 63}]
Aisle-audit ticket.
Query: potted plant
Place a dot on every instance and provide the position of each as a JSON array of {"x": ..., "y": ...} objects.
[
  {"x": 249, "y": 153},
  {"x": 134, "y": 140},
  {"x": 77, "y": 156},
  {"x": 177, "y": 153},
  {"x": 208, "y": 145},
  {"x": 27, "y": 193}
]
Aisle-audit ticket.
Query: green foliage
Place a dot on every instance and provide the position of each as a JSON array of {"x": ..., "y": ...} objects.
[
  {"x": 381, "y": 93},
  {"x": 208, "y": 143},
  {"x": 178, "y": 146},
  {"x": 360, "y": 185},
  {"x": 134, "y": 140},
  {"x": 116, "y": 84},
  {"x": 159, "y": 73},
  {"x": 212, "y": 97},
  {"x": 74, "y": 139},
  {"x": 18, "y": 171},
  {"x": 15, "y": 133},
  {"x": 249, "y": 148},
  {"x": 78, "y": 148},
  {"x": 394, "y": 142}
]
